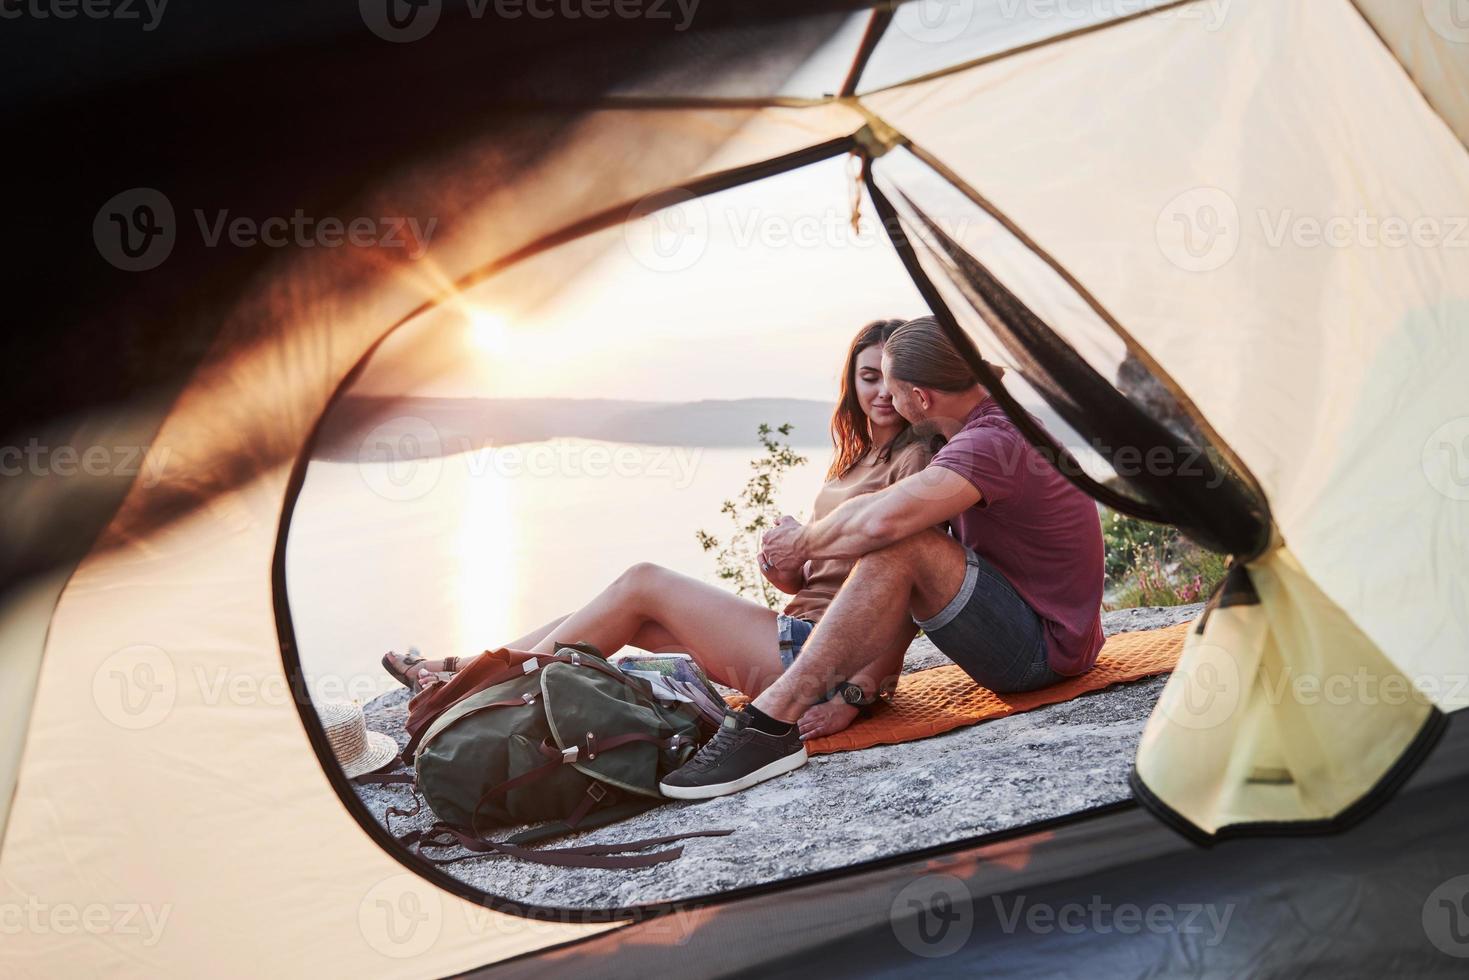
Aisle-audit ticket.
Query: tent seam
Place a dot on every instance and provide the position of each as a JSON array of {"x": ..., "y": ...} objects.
[
  {"x": 1407, "y": 73},
  {"x": 1037, "y": 45}
]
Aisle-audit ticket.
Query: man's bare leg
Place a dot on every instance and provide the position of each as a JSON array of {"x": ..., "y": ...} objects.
[
  {"x": 870, "y": 615},
  {"x": 835, "y": 714}
]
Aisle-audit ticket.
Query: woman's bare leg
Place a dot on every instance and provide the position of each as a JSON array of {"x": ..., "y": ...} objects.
[
  {"x": 652, "y": 607},
  {"x": 429, "y": 670},
  {"x": 529, "y": 640}
]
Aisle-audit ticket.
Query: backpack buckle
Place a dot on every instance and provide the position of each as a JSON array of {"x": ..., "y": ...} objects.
[
  {"x": 528, "y": 698},
  {"x": 569, "y": 753}
]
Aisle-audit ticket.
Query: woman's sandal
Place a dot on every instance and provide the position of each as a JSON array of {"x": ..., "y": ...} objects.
[{"x": 408, "y": 674}]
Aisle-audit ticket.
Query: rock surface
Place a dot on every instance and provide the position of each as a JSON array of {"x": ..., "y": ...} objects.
[{"x": 851, "y": 806}]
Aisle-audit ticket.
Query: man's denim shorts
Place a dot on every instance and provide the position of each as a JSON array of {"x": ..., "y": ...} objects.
[
  {"x": 792, "y": 634},
  {"x": 991, "y": 632}
]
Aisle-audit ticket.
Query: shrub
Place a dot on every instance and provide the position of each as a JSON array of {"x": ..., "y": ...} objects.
[
  {"x": 753, "y": 513},
  {"x": 1154, "y": 565}
]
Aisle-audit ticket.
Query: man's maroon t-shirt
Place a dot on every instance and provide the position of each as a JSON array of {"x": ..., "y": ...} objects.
[{"x": 1038, "y": 530}]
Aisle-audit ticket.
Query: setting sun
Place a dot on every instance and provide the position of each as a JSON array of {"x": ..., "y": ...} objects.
[{"x": 487, "y": 331}]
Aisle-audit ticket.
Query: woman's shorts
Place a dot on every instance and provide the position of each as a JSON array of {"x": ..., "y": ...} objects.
[
  {"x": 991, "y": 632},
  {"x": 792, "y": 634}
]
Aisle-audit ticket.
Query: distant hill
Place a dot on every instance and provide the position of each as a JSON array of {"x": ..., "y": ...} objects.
[
  {"x": 380, "y": 427},
  {"x": 444, "y": 426}
]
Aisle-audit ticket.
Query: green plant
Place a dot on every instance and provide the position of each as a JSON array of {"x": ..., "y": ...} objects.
[
  {"x": 753, "y": 513},
  {"x": 1123, "y": 536},
  {"x": 1154, "y": 565}
]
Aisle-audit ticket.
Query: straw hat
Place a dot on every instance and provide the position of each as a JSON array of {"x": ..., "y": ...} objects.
[{"x": 357, "y": 749}]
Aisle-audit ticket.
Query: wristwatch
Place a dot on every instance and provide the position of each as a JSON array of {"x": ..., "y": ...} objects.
[{"x": 854, "y": 695}]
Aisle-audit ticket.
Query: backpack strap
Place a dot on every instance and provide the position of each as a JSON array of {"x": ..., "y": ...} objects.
[
  {"x": 607, "y": 856},
  {"x": 415, "y": 738}
]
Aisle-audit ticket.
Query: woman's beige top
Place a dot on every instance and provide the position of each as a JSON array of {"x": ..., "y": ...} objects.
[{"x": 825, "y": 576}]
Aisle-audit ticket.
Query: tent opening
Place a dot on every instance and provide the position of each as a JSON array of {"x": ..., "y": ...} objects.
[{"x": 506, "y": 456}]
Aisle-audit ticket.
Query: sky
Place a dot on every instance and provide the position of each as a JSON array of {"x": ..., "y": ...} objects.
[{"x": 753, "y": 292}]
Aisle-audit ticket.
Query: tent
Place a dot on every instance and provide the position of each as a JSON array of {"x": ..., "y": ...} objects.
[{"x": 1226, "y": 238}]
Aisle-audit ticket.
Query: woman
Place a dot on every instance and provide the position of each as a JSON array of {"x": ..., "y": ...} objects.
[{"x": 740, "y": 643}]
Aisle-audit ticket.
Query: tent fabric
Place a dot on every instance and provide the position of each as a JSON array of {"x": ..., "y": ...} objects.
[
  {"x": 167, "y": 768},
  {"x": 1431, "y": 39},
  {"x": 162, "y": 712},
  {"x": 1326, "y": 367},
  {"x": 925, "y": 38},
  {"x": 1280, "y": 711}
]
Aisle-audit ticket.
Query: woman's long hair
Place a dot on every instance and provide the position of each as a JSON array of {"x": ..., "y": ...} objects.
[{"x": 850, "y": 434}]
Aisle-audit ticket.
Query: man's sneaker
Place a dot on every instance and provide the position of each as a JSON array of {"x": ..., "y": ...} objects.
[{"x": 736, "y": 758}]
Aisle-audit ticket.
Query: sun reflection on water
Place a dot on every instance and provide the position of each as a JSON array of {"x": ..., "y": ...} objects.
[{"x": 486, "y": 550}]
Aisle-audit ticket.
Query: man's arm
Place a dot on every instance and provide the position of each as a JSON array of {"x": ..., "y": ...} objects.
[{"x": 875, "y": 520}]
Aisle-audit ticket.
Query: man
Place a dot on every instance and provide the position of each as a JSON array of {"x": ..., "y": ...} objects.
[{"x": 1013, "y": 597}]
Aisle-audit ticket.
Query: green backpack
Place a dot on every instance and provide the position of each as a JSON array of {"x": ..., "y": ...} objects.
[{"x": 569, "y": 742}]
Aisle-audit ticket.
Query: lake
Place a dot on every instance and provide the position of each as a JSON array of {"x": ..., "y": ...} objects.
[{"x": 466, "y": 552}]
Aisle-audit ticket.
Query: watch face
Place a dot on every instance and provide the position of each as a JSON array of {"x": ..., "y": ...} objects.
[{"x": 852, "y": 694}]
